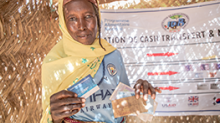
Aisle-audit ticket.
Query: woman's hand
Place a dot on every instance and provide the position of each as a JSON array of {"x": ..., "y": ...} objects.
[
  {"x": 146, "y": 88},
  {"x": 65, "y": 104}
]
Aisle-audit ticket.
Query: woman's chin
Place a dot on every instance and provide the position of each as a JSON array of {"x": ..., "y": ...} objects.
[{"x": 86, "y": 41}]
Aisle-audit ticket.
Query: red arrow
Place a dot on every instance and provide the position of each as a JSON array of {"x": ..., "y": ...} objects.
[
  {"x": 169, "y": 88},
  {"x": 162, "y": 73},
  {"x": 162, "y": 54}
]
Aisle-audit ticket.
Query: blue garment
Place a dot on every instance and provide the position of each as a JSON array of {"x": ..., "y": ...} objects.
[{"x": 98, "y": 106}]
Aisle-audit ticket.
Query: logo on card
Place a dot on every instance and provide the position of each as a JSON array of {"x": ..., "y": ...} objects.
[
  {"x": 193, "y": 101},
  {"x": 216, "y": 101},
  {"x": 84, "y": 90},
  {"x": 175, "y": 22},
  {"x": 111, "y": 69}
]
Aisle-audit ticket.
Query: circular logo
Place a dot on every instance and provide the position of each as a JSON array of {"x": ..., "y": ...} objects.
[
  {"x": 175, "y": 22},
  {"x": 111, "y": 69}
]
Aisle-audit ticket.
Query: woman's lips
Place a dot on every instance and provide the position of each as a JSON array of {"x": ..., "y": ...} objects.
[{"x": 83, "y": 36}]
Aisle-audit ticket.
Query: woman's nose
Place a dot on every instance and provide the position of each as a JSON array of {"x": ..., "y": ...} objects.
[{"x": 82, "y": 24}]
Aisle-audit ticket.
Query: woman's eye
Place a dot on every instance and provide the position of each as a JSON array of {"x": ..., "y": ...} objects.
[
  {"x": 88, "y": 16},
  {"x": 73, "y": 19}
]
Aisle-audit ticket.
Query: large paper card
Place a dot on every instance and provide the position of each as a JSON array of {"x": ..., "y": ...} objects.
[
  {"x": 85, "y": 87},
  {"x": 124, "y": 94},
  {"x": 128, "y": 105}
]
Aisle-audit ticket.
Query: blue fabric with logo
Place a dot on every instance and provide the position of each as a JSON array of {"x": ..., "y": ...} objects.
[{"x": 98, "y": 106}]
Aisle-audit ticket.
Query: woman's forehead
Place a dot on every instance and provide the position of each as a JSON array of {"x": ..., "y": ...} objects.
[
  {"x": 76, "y": 6},
  {"x": 67, "y": 1}
]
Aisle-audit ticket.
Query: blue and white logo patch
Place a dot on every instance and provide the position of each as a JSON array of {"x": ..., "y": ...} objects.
[{"x": 111, "y": 69}]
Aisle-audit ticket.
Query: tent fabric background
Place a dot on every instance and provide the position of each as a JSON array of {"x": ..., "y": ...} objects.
[{"x": 28, "y": 30}]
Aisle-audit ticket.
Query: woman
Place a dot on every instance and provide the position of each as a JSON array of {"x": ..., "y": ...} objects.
[{"x": 77, "y": 55}]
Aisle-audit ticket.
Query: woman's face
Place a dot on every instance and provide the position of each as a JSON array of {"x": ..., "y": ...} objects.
[{"x": 81, "y": 21}]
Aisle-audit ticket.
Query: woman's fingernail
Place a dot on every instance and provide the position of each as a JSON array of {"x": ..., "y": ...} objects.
[
  {"x": 154, "y": 96},
  {"x": 145, "y": 97},
  {"x": 83, "y": 100},
  {"x": 83, "y": 104}
]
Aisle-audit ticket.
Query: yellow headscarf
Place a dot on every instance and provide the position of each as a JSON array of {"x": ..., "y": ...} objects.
[{"x": 68, "y": 62}]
